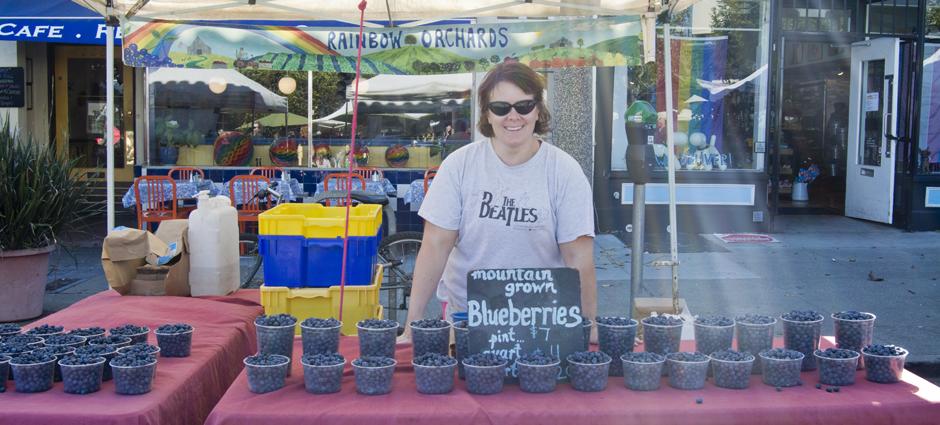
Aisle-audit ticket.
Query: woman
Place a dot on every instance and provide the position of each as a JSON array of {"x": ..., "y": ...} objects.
[{"x": 506, "y": 201}]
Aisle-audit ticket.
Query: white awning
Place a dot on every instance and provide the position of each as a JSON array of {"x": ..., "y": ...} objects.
[
  {"x": 392, "y": 106},
  {"x": 192, "y": 86},
  {"x": 413, "y": 86}
]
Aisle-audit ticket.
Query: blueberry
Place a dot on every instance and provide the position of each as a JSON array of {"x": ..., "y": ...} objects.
[
  {"x": 588, "y": 370},
  {"x": 485, "y": 373},
  {"x": 884, "y": 363},
  {"x": 434, "y": 373},
  {"x": 33, "y": 372},
  {"x": 430, "y": 336},
  {"x": 781, "y": 367},
  {"x": 837, "y": 366},
  {"x": 818, "y": 386},
  {"x": 276, "y": 320},
  {"x": 175, "y": 340},
  {"x": 266, "y": 372},
  {"x": 661, "y": 334},
  {"x": 642, "y": 371},
  {"x": 732, "y": 369},
  {"x": 699, "y": 400},
  {"x": 323, "y": 373},
  {"x": 82, "y": 374},
  {"x": 779, "y": 389},
  {"x": 801, "y": 333},
  {"x": 137, "y": 334},
  {"x": 616, "y": 336},
  {"x": 377, "y": 337},
  {"x": 687, "y": 370},
  {"x": 829, "y": 390},
  {"x": 374, "y": 374},
  {"x": 835, "y": 389}
]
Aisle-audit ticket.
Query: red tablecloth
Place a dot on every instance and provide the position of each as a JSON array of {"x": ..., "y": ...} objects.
[
  {"x": 914, "y": 401},
  {"x": 185, "y": 389}
]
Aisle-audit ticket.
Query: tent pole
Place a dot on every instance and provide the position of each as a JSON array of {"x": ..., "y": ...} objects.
[
  {"x": 310, "y": 118},
  {"x": 109, "y": 114},
  {"x": 670, "y": 149}
]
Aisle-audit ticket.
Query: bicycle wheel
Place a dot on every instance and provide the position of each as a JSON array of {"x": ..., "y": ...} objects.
[{"x": 403, "y": 247}]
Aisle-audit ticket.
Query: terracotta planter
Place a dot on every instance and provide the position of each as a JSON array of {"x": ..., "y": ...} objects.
[{"x": 24, "y": 282}]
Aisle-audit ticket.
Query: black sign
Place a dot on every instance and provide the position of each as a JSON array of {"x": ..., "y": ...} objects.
[
  {"x": 12, "y": 88},
  {"x": 511, "y": 312}
]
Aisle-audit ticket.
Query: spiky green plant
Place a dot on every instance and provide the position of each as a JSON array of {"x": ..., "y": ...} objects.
[{"x": 40, "y": 194}]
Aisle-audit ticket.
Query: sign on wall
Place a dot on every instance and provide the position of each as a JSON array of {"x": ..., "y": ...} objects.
[
  {"x": 442, "y": 49},
  {"x": 12, "y": 87},
  {"x": 511, "y": 312}
]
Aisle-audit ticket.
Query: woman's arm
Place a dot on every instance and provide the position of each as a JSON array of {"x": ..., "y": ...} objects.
[
  {"x": 579, "y": 254},
  {"x": 429, "y": 266}
]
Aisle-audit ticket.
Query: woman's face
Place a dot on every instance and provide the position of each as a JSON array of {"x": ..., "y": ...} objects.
[{"x": 513, "y": 129}]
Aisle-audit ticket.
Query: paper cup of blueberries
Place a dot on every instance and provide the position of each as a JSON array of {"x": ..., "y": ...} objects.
[
  {"x": 57, "y": 351},
  {"x": 713, "y": 333},
  {"x": 801, "y": 333},
  {"x": 137, "y": 334},
  {"x": 837, "y": 366},
  {"x": 538, "y": 372},
  {"x": 175, "y": 340},
  {"x": 884, "y": 364},
  {"x": 374, "y": 374},
  {"x": 88, "y": 333},
  {"x": 116, "y": 341},
  {"x": 461, "y": 345},
  {"x": 45, "y": 331},
  {"x": 642, "y": 371},
  {"x": 430, "y": 336},
  {"x": 755, "y": 334},
  {"x": 732, "y": 369},
  {"x": 152, "y": 350},
  {"x": 377, "y": 337},
  {"x": 485, "y": 373},
  {"x": 12, "y": 350},
  {"x": 781, "y": 367},
  {"x": 853, "y": 331},
  {"x": 320, "y": 336},
  {"x": 323, "y": 372},
  {"x": 82, "y": 374},
  {"x": 9, "y": 329},
  {"x": 33, "y": 372},
  {"x": 661, "y": 334},
  {"x": 266, "y": 372},
  {"x": 687, "y": 370},
  {"x": 586, "y": 327},
  {"x": 133, "y": 373},
  {"x": 276, "y": 335},
  {"x": 616, "y": 336},
  {"x": 100, "y": 350},
  {"x": 434, "y": 373},
  {"x": 4, "y": 372},
  {"x": 588, "y": 370}
]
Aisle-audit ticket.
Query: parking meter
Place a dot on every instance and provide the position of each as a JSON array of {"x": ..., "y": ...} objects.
[{"x": 640, "y": 123}]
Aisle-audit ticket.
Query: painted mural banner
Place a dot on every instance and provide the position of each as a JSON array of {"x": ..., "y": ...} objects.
[{"x": 445, "y": 49}]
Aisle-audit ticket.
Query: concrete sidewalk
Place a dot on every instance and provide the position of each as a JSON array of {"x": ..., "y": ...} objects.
[{"x": 822, "y": 263}]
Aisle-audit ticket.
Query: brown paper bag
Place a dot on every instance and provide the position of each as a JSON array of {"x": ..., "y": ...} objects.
[{"x": 125, "y": 250}]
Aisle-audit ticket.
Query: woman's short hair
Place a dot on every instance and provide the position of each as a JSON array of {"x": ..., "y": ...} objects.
[{"x": 519, "y": 75}]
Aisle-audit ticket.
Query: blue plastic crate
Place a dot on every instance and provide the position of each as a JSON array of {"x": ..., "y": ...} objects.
[{"x": 297, "y": 262}]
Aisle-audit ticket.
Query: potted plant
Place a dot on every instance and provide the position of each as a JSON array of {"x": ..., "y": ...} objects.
[{"x": 42, "y": 196}]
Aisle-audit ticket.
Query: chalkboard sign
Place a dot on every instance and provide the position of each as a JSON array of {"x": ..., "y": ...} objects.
[
  {"x": 511, "y": 312},
  {"x": 12, "y": 88}
]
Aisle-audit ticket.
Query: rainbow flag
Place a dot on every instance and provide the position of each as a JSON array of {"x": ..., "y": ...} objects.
[{"x": 693, "y": 59}]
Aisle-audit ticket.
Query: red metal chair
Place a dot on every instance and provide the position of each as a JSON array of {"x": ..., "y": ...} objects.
[
  {"x": 367, "y": 172},
  {"x": 339, "y": 182},
  {"x": 246, "y": 187},
  {"x": 270, "y": 172},
  {"x": 185, "y": 173},
  {"x": 153, "y": 208},
  {"x": 428, "y": 176}
]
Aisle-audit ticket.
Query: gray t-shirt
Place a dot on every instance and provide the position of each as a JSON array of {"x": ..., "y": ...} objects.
[{"x": 506, "y": 216}]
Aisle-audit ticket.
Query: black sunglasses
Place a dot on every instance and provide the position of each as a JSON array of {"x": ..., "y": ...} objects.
[{"x": 502, "y": 108}]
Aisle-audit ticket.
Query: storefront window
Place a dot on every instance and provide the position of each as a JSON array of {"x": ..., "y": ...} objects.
[
  {"x": 933, "y": 17},
  {"x": 719, "y": 82},
  {"x": 227, "y": 117},
  {"x": 928, "y": 159}
]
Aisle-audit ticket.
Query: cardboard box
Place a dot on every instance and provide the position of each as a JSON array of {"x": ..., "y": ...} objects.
[{"x": 125, "y": 250}]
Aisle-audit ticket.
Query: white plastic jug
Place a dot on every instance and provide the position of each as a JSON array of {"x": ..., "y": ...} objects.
[{"x": 213, "y": 247}]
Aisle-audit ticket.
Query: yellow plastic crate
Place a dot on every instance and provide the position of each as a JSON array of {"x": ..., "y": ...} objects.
[
  {"x": 318, "y": 221},
  {"x": 360, "y": 302}
]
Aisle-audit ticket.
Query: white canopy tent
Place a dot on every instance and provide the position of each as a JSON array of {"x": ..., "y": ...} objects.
[
  {"x": 195, "y": 85},
  {"x": 417, "y": 11},
  {"x": 435, "y": 86}
]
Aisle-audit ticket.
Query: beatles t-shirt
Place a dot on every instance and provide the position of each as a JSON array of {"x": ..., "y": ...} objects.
[{"x": 506, "y": 216}]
